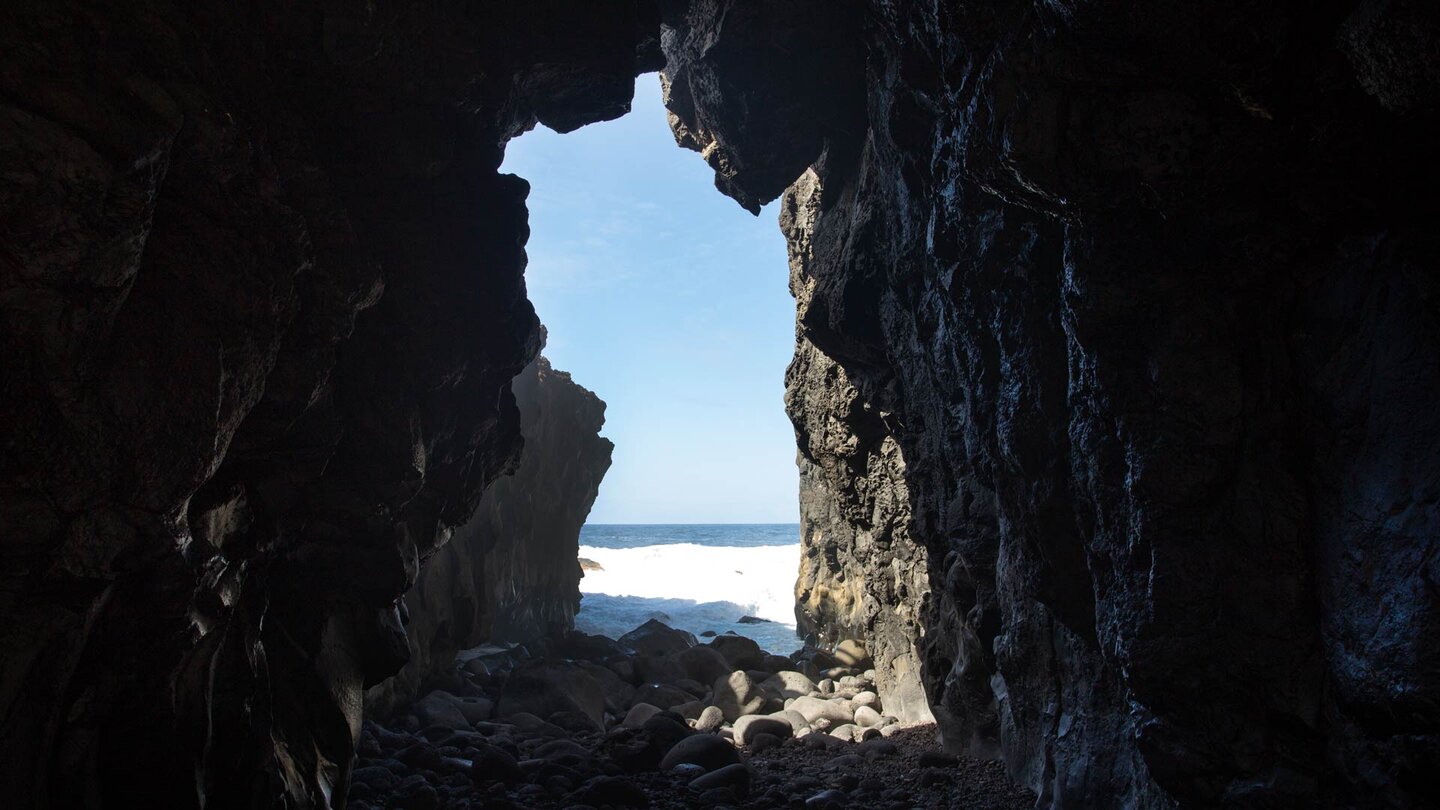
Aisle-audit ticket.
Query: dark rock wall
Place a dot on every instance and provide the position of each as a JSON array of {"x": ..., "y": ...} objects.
[
  {"x": 1143, "y": 295},
  {"x": 1146, "y": 298},
  {"x": 861, "y": 575},
  {"x": 510, "y": 572},
  {"x": 261, "y": 300}
]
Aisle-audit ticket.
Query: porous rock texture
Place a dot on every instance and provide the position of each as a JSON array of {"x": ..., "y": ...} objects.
[
  {"x": 510, "y": 573},
  {"x": 261, "y": 301},
  {"x": 1145, "y": 296},
  {"x": 861, "y": 576}
]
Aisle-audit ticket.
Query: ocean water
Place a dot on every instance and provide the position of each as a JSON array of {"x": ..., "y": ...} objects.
[{"x": 701, "y": 577}]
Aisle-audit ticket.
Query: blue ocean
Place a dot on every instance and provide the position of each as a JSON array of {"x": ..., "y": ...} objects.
[{"x": 704, "y": 578}]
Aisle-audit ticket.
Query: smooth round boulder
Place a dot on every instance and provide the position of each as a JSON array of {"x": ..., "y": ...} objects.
[
  {"x": 662, "y": 695},
  {"x": 788, "y": 684},
  {"x": 737, "y": 695},
  {"x": 709, "y": 751},
  {"x": 866, "y": 716},
  {"x": 741, "y": 652},
  {"x": 440, "y": 708},
  {"x": 736, "y": 777},
  {"x": 547, "y": 688},
  {"x": 659, "y": 669},
  {"x": 816, "y": 708},
  {"x": 639, "y": 713},
  {"x": 867, "y": 698},
  {"x": 704, "y": 664},
  {"x": 710, "y": 719},
  {"x": 747, "y": 727}
]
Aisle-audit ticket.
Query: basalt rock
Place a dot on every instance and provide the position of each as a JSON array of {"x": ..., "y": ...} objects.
[
  {"x": 261, "y": 300},
  {"x": 1139, "y": 310},
  {"x": 510, "y": 572}
]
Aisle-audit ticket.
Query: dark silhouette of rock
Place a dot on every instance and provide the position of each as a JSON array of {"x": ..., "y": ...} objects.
[
  {"x": 654, "y": 637},
  {"x": 1114, "y": 384},
  {"x": 507, "y": 572},
  {"x": 1126, "y": 306}
]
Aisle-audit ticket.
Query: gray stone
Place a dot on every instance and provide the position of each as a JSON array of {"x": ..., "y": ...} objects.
[
  {"x": 706, "y": 750},
  {"x": 746, "y": 727},
  {"x": 654, "y": 637},
  {"x": 816, "y": 708},
  {"x": 737, "y": 695},
  {"x": 638, "y": 714},
  {"x": 710, "y": 719},
  {"x": 788, "y": 684},
  {"x": 866, "y": 716},
  {"x": 736, "y": 777}
]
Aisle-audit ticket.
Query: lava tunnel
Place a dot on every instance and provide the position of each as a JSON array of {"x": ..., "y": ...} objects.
[{"x": 1114, "y": 389}]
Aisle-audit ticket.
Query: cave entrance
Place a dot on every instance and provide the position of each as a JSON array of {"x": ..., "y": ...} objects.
[{"x": 671, "y": 303}]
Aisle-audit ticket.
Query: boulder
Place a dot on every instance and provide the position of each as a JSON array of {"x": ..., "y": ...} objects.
[
  {"x": 440, "y": 708},
  {"x": 741, "y": 652},
  {"x": 662, "y": 695},
  {"x": 552, "y": 687},
  {"x": 638, "y": 714},
  {"x": 747, "y": 727},
  {"x": 615, "y": 791},
  {"x": 583, "y": 646},
  {"x": 737, "y": 695},
  {"x": 788, "y": 684},
  {"x": 691, "y": 710},
  {"x": 735, "y": 777},
  {"x": 710, "y": 719},
  {"x": 816, "y": 708},
  {"x": 704, "y": 664},
  {"x": 815, "y": 663},
  {"x": 866, "y": 716},
  {"x": 657, "y": 638},
  {"x": 709, "y": 751},
  {"x": 659, "y": 669},
  {"x": 619, "y": 695},
  {"x": 852, "y": 653},
  {"x": 776, "y": 663}
]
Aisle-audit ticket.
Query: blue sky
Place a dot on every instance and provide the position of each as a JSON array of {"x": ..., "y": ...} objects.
[{"x": 670, "y": 302}]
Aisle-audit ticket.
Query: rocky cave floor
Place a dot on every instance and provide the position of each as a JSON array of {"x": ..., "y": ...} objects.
[{"x": 586, "y": 721}]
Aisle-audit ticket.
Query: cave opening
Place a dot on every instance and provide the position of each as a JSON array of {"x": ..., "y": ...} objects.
[{"x": 671, "y": 303}]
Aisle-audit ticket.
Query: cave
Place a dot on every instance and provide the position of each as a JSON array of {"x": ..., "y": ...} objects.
[{"x": 1114, "y": 384}]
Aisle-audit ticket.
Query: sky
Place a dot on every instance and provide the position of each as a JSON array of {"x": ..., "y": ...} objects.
[{"x": 670, "y": 302}]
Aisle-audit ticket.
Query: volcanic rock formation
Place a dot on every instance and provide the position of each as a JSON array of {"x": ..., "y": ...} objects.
[
  {"x": 1144, "y": 296},
  {"x": 1146, "y": 301},
  {"x": 262, "y": 300},
  {"x": 510, "y": 573}
]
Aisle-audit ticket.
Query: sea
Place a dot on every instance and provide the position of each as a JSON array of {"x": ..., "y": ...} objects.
[{"x": 703, "y": 578}]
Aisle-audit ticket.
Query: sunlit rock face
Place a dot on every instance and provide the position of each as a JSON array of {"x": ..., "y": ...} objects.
[
  {"x": 262, "y": 300},
  {"x": 510, "y": 573},
  {"x": 861, "y": 575},
  {"x": 1145, "y": 300}
]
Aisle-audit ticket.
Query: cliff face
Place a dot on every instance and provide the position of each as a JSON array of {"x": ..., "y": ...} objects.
[
  {"x": 861, "y": 575},
  {"x": 510, "y": 572},
  {"x": 261, "y": 300},
  {"x": 1145, "y": 303}
]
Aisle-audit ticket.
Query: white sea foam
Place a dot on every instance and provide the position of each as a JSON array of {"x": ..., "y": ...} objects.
[{"x": 695, "y": 588}]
